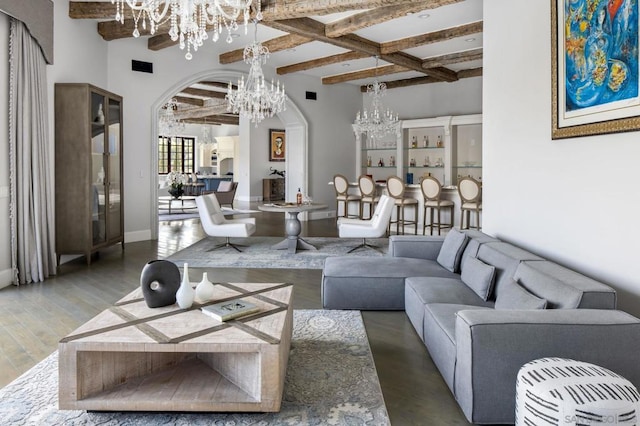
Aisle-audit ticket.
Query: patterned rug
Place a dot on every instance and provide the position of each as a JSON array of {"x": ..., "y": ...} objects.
[
  {"x": 331, "y": 380},
  {"x": 259, "y": 254}
]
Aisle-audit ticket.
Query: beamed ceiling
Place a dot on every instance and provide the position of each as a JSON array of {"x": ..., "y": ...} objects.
[{"x": 336, "y": 41}]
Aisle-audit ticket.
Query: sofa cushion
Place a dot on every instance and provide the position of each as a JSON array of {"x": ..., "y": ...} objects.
[
  {"x": 479, "y": 277},
  {"x": 225, "y": 186},
  {"x": 564, "y": 288},
  {"x": 476, "y": 239},
  {"x": 506, "y": 258},
  {"x": 514, "y": 296},
  {"x": 353, "y": 282},
  {"x": 452, "y": 249},
  {"x": 420, "y": 291}
]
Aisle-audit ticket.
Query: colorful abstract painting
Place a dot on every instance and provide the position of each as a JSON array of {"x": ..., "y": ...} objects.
[{"x": 596, "y": 44}]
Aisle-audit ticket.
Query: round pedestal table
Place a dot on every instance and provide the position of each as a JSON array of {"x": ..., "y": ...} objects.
[{"x": 293, "y": 227}]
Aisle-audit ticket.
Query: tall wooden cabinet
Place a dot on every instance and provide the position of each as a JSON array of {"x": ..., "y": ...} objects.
[{"x": 89, "y": 187}]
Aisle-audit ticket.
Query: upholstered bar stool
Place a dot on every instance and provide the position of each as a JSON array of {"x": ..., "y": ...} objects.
[
  {"x": 557, "y": 391},
  {"x": 341, "y": 185},
  {"x": 395, "y": 188},
  {"x": 470, "y": 193},
  {"x": 431, "y": 191},
  {"x": 368, "y": 193}
]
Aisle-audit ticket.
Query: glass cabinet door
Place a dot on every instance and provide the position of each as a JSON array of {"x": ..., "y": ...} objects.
[
  {"x": 114, "y": 155},
  {"x": 98, "y": 169}
]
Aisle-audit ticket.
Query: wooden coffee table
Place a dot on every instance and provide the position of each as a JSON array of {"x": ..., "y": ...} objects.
[{"x": 133, "y": 358}]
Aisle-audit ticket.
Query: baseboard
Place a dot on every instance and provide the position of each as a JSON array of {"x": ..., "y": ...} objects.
[
  {"x": 132, "y": 237},
  {"x": 322, "y": 214},
  {"x": 6, "y": 278}
]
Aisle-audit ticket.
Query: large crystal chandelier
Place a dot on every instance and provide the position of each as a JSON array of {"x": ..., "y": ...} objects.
[
  {"x": 377, "y": 123},
  {"x": 207, "y": 138},
  {"x": 254, "y": 99},
  {"x": 168, "y": 125},
  {"x": 189, "y": 20}
]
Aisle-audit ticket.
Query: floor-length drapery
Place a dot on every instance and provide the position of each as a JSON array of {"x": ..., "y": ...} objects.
[{"x": 30, "y": 161}]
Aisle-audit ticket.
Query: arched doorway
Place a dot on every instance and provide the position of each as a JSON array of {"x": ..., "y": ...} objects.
[{"x": 293, "y": 121}]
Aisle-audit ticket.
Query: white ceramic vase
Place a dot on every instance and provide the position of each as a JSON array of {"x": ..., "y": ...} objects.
[
  {"x": 185, "y": 294},
  {"x": 204, "y": 289}
]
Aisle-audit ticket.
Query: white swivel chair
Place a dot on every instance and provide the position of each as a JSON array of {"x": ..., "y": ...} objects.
[
  {"x": 375, "y": 227},
  {"x": 215, "y": 224}
]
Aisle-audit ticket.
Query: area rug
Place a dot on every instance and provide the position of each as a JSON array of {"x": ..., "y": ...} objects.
[
  {"x": 331, "y": 380},
  {"x": 259, "y": 254}
]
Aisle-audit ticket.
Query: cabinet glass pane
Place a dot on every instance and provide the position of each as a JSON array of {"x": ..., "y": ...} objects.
[
  {"x": 468, "y": 151},
  {"x": 115, "y": 206},
  {"x": 98, "y": 169}
]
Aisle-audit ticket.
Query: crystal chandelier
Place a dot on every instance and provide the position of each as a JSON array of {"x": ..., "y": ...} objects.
[
  {"x": 168, "y": 125},
  {"x": 189, "y": 20},
  {"x": 206, "y": 138},
  {"x": 254, "y": 99},
  {"x": 376, "y": 123}
]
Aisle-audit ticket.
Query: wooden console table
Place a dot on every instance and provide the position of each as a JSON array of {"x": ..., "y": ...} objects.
[{"x": 134, "y": 358}]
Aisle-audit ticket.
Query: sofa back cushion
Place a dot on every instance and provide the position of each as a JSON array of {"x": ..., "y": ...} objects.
[
  {"x": 476, "y": 239},
  {"x": 479, "y": 277},
  {"x": 514, "y": 296},
  {"x": 452, "y": 249},
  {"x": 564, "y": 288},
  {"x": 506, "y": 258}
]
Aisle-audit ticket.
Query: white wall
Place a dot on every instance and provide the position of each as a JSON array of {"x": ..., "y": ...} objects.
[
  {"x": 5, "y": 240},
  {"x": 576, "y": 200}
]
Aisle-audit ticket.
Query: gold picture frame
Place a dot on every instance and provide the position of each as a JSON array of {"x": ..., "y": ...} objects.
[
  {"x": 277, "y": 145},
  {"x": 577, "y": 107}
]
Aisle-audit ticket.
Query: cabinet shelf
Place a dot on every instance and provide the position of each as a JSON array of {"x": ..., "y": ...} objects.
[
  {"x": 423, "y": 147},
  {"x": 380, "y": 167},
  {"x": 468, "y": 167},
  {"x": 393, "y": 148},
  {"x": 425, "y": 167}
]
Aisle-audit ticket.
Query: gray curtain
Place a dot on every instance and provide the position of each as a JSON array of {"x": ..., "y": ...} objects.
[{"x": 31, "y": 203}]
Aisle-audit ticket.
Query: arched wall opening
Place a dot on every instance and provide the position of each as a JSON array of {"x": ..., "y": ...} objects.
[{"x": 294, "y": 123}]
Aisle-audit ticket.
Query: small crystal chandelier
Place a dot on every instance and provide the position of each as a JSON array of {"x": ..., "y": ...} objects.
[
  {"x": 168, "y": 125},
  {"x": 254, "y": 99},
  {"x": 206, "y": 138},
  {"x": 376, "y": 123},
  {"x": 189, "y": 20}
]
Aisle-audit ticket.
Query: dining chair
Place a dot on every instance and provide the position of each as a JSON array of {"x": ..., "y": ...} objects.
[
  {"x": 470, "y": 192},
  {"x": 431, "y": 192},
  {"x": 341, "y": 186},
  {"x": 396, "y": 189},
  {"x": 368, "y": 194}
]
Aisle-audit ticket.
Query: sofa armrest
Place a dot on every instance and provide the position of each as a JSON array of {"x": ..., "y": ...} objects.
[
  {"x": 415, "y": 246},
  {"x": 492, "y": 345}
]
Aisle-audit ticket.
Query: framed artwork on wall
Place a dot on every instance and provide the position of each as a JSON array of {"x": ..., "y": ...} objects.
[
  {"x": 594, "y": 67},
  {"x": 277, "y": 145}
]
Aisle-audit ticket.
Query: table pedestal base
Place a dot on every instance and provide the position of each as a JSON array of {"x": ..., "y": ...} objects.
[{"x": 292, "y": 244}]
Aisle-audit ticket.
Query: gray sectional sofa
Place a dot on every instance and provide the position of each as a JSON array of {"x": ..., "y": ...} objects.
[{"x": 490, "y": 309}]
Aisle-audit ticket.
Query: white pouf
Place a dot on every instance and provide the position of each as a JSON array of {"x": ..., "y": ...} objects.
[{"x": 556, "y": 391}]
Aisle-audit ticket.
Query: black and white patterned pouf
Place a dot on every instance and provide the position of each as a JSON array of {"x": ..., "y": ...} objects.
[{"x": 556, "y": 391}]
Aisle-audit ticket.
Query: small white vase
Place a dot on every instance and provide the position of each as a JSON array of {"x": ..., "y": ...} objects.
[
  {"x": 185, "y": 294},
  {"x": 204, "y": 289}
]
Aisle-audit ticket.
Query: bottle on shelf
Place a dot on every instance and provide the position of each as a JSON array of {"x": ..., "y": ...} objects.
[
  {"x": 426, "y": 161},
  {"x": 392, "y": 161},
  {"x": 299, "y": 197},
  {"x": 414, "y": 142},
  {"x": 412, "y": 162},
  {"x": 425, "y": 141},
  {"x": 439, "y": 144},
  {"x": 381, "y": 162},
  {"x": 369, "y": 161}
]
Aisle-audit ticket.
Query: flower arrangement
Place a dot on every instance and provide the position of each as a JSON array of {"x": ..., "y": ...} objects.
[{"x": 176, "y": 183}]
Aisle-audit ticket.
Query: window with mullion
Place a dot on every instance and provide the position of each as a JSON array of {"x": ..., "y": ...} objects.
[{"x": 176, "y": 154}]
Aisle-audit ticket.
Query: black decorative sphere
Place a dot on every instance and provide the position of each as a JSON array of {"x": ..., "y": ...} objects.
[{"x": 160, "y": 280}]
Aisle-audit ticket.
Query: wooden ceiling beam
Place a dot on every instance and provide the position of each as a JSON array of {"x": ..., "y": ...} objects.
[
  {"x": 473, "y": 72},
  {"x": 289, "y": 9},
  {"x": 277, "y": 44},
  {"x": 204, "y": 93},
  {"x": 370, "y": 73},
  {"x": 453, "y": 58},
  {"x": 215, "y": 120},
  {"x": 316, "y": 30},
  {"x": 189, "y": 101},
  {"x": 92, "y": 10},
  {"x": 114, "y": 30},
  {"x": 321, "y": 62},
  {"x": 433, "y": 37},
  {"x": 366, "y": 19},
  {"x": 218, "y": 84},
  {"x": 185, "y": 114}
]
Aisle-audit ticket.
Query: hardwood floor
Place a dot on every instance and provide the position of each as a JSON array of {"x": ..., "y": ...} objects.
[{"x": 34, "y": 317}]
